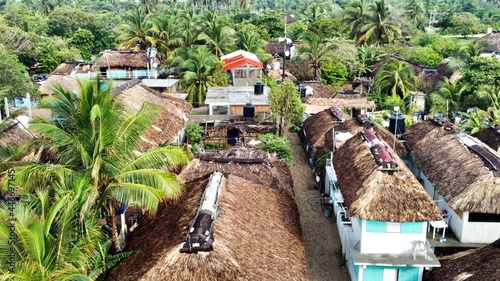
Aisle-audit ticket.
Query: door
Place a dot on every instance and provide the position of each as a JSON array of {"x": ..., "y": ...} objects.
[{"x": 390, "y": 274}]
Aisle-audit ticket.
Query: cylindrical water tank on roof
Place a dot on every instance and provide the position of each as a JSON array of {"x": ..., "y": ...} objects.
[
  {"x": 397, "y": 124},
  {"x": 248, "y": 110},
  {"x": 258, "y": 89}
]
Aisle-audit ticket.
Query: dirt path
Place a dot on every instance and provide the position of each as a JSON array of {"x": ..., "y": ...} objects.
[{"x": 320, "y": 234}]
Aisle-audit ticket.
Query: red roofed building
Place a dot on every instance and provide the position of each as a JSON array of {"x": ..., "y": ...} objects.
[{"x": 244, "y": 68}]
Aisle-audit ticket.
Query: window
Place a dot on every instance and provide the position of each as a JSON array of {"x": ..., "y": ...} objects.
[{"x": 393, "y": 227}]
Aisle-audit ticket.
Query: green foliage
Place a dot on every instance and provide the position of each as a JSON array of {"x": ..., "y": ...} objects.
[
  {"x": 396, "y": 78},
  {"x": 286, "y": 105},
  {"x": 465, "y": 24},
  {"x": 423, "y": 55},
  {"x": 325, "y": 28},
  {"x": 194, "y": 133},
  {"x": 275, "y": 144},
  {"x": 49, "y": 57},
  {"x": 334, "y": 73},
  {"x": 83, "y": 40},
  {"x": 480, "y": 71},
  {"x": 271, "y": 22},
  {"x": 13, "y": 75},
  {"x": 443, "y": 46},
  {"x": 210, "y": 146},
  {"x": 295, "y": 29}
]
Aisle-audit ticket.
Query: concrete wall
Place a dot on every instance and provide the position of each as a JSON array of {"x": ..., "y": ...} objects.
[{"x": 385, "y": 242}]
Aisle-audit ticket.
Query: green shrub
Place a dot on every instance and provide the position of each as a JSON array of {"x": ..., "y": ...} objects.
[
  {"x": 211, "y": 146},
  {"x": 280, "y": 145},
  {"x": 194, "y": 133}
]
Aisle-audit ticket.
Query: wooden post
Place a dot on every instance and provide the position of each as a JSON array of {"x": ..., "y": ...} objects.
[
  {"x": 6, "y": 107},
  {"x": 28, "y": 98}
]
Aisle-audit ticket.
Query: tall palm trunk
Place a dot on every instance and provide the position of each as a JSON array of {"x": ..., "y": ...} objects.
[{"x": 113, "y": 229}]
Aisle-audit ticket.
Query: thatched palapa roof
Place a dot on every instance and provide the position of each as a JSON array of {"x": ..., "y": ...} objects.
[
  {"x": 257, "y": 235},
  {"x": 494, "y": 42},
  {"x": 428, "y": 78},
  {"x": 429, "y": 129},
  {"x": 15, "y": 134},
  {"x": 467, "y": 180},
  {"x": 372, "y": 194},
  {"x": 480, "y": 265},
  {"x": 277, "y": 48},
  {"x": 249, "y": 126},
  {"x": 341, "y": 99},
  {"x": 167, "y": 124},
  {"x": 265, "y": 170},
  {"x": 67, "y": 82},
  {"x": 113, "y": 58},
  {"x": 316, "y": 125},
  {"x": 490, "y": 136},
  {"x": 67, "y": 68}
]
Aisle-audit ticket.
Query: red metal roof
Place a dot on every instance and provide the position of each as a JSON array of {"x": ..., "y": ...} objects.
[{"x": 238, "y": 61}]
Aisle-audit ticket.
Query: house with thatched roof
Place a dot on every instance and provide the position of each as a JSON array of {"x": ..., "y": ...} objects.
[
  {"x": 461, "y": 174},
  {"x": 256, "y": 236},
  {"x": 493, "y": 40},
  {"x": 77, "y": 69},
  {"x": 351, "y": 100},
  {"x": 382, "y": 210},
  {"x": 490, "y": 136},
  {"x": 244, "y": 68},
  {"x": 115, "y": 64},
  {"x": 476, "y": 265},
  {"x": 429, "y": 77},
  {"x": 67, "y": 82},
  {"x": 168, "y": 126}
]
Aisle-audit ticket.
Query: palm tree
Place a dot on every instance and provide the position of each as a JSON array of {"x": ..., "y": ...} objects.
[
  {"x": 354, "y": 18},
  {"x": 190, "y": 28},
  {"x": 244, "y": 5},
  {"x": 248, "y": 40},
  {"x": 99, "y": 139},
  {"x": 378, "y": 26},
  {"x": 197, "y": 74},
  {"x": 137, "y": 30},
  {"x": 450, "y": 96},
  {"x": 396, "y": 78},
  {"x": 475, "y": 122},
  {"x": 315, "y": 52},
  {"x": 491, "y": 94},
  {"x": 218, "y": 37},
  {"x": 168, "y": 34},
  {"x": 56, "y": 232}
]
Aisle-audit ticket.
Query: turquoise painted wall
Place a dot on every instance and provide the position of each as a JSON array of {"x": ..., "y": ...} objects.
[
  {"x": 376, "y": 273},
  {"x": 376, "y": 226},
  {"x": 116, "y": 73},
  {"x": 356, "y": 269},
  {"x": 411, "y": 227},
  {"x": 380, "y": 227},
  {"x": 373, "y": 273}
]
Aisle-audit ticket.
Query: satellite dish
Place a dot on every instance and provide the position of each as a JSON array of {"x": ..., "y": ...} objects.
[
  {"x": 269, "y": 67},
  {"x": 287, "y": 53},
  {"x": 155, "y": 65}
]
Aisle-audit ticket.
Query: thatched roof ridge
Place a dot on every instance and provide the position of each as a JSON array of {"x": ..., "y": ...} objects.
[
  {"x": 342, "y": 101},
  {"x": 268, "y": 172},
  {"x": 257, "y": 237},
  {"x": 113, "y": 58},
  {"x": 249, "y": 126},
  {"x": 276, "y": 48},
  {"x": 372, "y": 194},
  {"x": 66, "y": 68},
  {"x": 428, "y": 129},
  {"x": 316, "y": 125},
  {"x": 15, "y": 134},
  {"x": 457, "y": 174},
  {"x": 67, "y": 82},
  {"x": 490, "y": 136},
  {"x": 166, "y": 125},
  {"x": 320, "y": 90},
  {"x": 480, "y": 265},
  {"x": 494, "y": 40}
]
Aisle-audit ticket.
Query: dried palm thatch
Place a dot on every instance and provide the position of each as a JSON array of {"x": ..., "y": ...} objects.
[
  {"x": 249, "y": 126},
  {"x": 316, "y": 125},
  {"x": 320, "y": 90},
  {"x": 257, "y": 237},
  {"x": 15, "y": 134},
  {"x": 67, "y": 82},
  {"x": 265, "y": 171},
  {"x": 428, "y": 129},
  {"x": 276, "y": 48},
  {"x": 372, "y": 194},
  {"x": 124, "y": 59},
  {"x": 494, "y": 42},
  {"x": 490, "y": 136},
  {"x": 68, "y": 67},
  {"x": 457, "y": 174},
  {"x": 166, "y": 126},
  {"x": 480, "y": 265}
]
